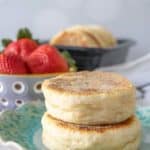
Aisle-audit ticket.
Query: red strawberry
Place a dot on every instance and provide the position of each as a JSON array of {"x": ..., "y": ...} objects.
[
  {"x": 23, "y": 48},
  {"x": 46, "y": 59},
  {"x": 12, "y": 49},
  {"x": 27, "y": 46},
  {"x": 12, "y": 65}
]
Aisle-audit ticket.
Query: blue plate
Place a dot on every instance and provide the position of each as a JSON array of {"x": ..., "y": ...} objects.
[{"x": 23, "y": 126}]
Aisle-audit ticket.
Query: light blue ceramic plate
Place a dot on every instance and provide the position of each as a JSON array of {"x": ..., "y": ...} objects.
[{"x": 23, "y": 126}]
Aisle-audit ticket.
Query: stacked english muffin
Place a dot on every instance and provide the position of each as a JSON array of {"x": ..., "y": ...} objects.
[
  {"x": 90, "y": 111},
  {"x": 85, "y": 36}
]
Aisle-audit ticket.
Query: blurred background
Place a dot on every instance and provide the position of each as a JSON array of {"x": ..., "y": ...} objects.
[{"x": 125, "y": 18}]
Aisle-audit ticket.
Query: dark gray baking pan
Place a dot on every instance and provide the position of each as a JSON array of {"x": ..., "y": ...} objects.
[{"x": 91, "y": 58}]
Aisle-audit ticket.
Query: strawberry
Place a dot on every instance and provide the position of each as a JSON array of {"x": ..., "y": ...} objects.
[
  {"x": 12, "y": 48},
  {"x": 46, "y": 59},
  {"x": 12, "y": 65},
  {"x": 23, "y": 48},
  {"x": 27, "y": 46}
]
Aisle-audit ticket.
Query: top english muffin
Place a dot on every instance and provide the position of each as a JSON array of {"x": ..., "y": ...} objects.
[
  {"x": 89, "y": 97},
  {"x": 85, "y": 36}
]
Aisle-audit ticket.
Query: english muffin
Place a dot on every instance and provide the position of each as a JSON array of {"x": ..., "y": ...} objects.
[
  {"x": 103, "y": 37},
  {"x": 85, "y": 36},
  {"x": 89, "y": 97},
  {"x": 58, "y": 135}
]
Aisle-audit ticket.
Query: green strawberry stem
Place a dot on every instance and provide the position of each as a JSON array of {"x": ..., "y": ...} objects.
[
  {"x": 6, "y": 42},
  {"x": 24, "y": 33},
  {"x": 70, "y": 60}
]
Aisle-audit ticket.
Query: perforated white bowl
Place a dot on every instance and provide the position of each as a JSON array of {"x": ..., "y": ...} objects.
[{"x": 15, "y": 90}]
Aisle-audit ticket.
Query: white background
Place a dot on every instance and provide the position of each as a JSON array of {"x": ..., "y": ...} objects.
[{"x": 125, "y": 18}]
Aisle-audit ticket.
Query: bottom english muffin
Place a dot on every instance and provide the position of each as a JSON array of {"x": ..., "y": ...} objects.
[{"x": 60, "y": 135}]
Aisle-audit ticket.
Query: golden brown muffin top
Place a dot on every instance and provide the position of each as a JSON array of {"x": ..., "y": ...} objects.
[{"x": 87, "y": 82}]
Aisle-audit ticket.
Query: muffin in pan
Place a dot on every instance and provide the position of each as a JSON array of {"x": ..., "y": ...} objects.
[
  {"x": 89, "y": 97},
  {"x": 85, "y": 36},
  {"x": 58, "y": 135}
]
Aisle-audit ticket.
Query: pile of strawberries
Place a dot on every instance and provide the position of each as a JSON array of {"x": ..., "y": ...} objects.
[{"x": 26, "y": 56}]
